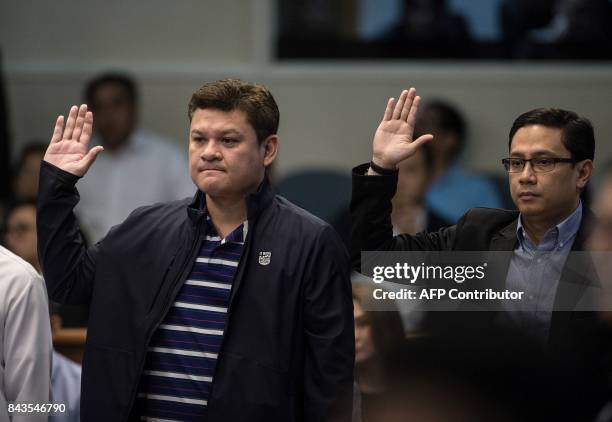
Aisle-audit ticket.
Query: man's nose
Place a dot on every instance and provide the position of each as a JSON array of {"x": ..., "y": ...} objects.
[
  {"x": 527, "y": 175},
  {"x": 210, "y": 150}
]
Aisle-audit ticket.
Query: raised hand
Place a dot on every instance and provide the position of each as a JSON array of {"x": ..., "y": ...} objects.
[
  {"x": 393, "y": 141},
  {"x": 68, "y": 147}
]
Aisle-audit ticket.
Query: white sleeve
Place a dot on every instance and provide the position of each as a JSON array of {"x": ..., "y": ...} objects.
[{"x": 27, "y": 345}]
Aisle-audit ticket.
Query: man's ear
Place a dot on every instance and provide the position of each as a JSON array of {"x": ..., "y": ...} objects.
[
  {"x": 585, "y": 171},
  {"x": 270, "y": 146}
]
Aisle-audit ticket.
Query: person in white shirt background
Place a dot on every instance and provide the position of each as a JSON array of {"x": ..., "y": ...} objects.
[
  {"x": 25, "y": 338},
  {"x": 138, "y": 167}
]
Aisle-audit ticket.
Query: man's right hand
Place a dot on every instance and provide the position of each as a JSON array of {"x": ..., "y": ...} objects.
[
  {"x": 68, "y": 147},
  {"x": 393, "y": 139}
]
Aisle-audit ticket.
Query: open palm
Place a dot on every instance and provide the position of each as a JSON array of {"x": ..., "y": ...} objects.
[
  {"x": 393, "y": 141},
  {"x": 68, "y": 148}
]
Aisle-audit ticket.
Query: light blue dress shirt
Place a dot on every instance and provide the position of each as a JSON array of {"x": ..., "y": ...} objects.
[{"x": 536, "y": 271}]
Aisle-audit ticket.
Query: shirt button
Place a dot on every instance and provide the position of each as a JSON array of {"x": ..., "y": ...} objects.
[
  {"x": 530, "y": 297},
  {"x": 539, "y": 259},
  {"x": 560, "y": 245}
]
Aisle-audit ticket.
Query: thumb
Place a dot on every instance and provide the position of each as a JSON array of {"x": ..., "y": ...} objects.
[
  {"x": 90, "y": 157},
  {"x": 417, "y": 143}
]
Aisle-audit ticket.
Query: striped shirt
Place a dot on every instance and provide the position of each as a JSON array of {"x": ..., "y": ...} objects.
[{"x": 182, "y": 355}]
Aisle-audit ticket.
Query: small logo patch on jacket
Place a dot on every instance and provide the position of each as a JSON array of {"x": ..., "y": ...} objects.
[{"x": 264, "y": 258}]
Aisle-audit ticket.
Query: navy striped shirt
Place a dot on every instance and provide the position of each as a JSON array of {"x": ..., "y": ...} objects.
[{"x": 182, "y": 355}]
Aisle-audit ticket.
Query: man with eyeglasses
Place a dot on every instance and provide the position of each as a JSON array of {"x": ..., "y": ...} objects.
[{"x": 550, "y": 162}]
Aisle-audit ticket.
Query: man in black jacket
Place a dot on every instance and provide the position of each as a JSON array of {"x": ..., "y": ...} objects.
[
  {"x": 550, "y": 161},
  {"x": 233, "y": 306}
]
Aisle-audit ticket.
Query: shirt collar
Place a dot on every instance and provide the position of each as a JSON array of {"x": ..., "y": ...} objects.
[
  {"x": 564, "y": 231},
  {"x": 238, "y": 235}
]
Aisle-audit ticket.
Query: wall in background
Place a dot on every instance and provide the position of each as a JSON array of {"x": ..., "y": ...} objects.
[{"x": 329, "y": 111}]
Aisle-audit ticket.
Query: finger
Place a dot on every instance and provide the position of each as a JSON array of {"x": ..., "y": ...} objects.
[
  {"x": 70, "y": 122},
  {"x": 78, "y": 128},
  {"x": 411, "y": 119},
  {"x": 90, "y": 157},
  {"x": 400, "y": 104},
  {"x": 87, "y": 128},
  {"x": 408, "y": 104},
  {"x": 389, "y": 109},
  {"x": 57, "y": 130}
]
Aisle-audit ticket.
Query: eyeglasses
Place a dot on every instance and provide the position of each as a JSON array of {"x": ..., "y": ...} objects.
[{"x": 538, "y": 164}]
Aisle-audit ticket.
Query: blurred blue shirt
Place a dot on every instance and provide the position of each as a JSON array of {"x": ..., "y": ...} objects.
[
  {"x": 457, "y": 190},
  {"x": 66, "y": 388}
]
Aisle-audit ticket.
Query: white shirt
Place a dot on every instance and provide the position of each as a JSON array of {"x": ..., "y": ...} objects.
[
  {"x": 148, "y": 169},
  {"x": 25, "y": 337}
]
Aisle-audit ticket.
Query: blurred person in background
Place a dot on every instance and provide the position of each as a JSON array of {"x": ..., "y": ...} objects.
[
  {"x": 379, "y": 345},
  {"x": 410, "y": 212},
  {"x": 453, "y": 189},
  {"x": 20, "y": 238},
  {"x": 20, "y": 231},
  {"x": 25, "y": 338},
  {"x": 25, "y": 182},
  {"x": 139, "y": 167},
  {"x": 65, "y": 377},
  {"x": 429, "y": 28},
  {"x": 561, "y": 29}
]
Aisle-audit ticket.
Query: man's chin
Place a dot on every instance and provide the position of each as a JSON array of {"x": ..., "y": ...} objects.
[{"x": 529, "y": 210}]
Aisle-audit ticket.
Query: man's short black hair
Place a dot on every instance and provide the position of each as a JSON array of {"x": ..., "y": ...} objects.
[
  {"x": 577, "y": 132},
  {"x": 254, "y": 100},
  {"x": 121, "y": 79}
]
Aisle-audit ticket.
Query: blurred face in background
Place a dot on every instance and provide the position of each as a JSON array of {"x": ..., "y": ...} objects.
[
  {"x": 446, "y": 145},
  {"x": 601, "y": 235},
  {"x": 413, "y": 179},
  {"x": 600, "y": 243},
  {"x": 20, "y": 235},
  {"x": 114, "y": 114},
  {"x": 26, "y": 180},
  {"x": 364, "y": 342}
]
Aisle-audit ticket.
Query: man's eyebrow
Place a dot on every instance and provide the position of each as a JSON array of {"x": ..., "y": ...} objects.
[
  {"x": 229, "y": 131},
  {"x": 540, "y": 153}
]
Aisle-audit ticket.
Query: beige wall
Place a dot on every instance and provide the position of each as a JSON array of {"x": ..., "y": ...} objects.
[{"x": 328, "y": 110}]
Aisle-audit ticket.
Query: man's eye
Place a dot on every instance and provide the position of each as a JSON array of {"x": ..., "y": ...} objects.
[
  {"x": 516, "y": 163},
  {"x": 228, "y": 140},
  {"x": 544, "y": 161},
  {"x": 197, "y": 139}
]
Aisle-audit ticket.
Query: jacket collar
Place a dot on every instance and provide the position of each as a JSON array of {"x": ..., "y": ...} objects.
[
  {"x": 505, "y": 239},
  {"x": 256, "y": 202}
]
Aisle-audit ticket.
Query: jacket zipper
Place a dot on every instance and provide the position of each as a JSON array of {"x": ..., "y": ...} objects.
[
  {"x": 239, "y": 271},
  {"x": 168, "y": 303}
]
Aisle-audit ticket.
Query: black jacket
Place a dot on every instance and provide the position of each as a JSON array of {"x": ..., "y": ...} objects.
[
  {"x": 577, "y": 338},
  {"x": 480, "y": 229},
  {"x": 288, "y": 349}
]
